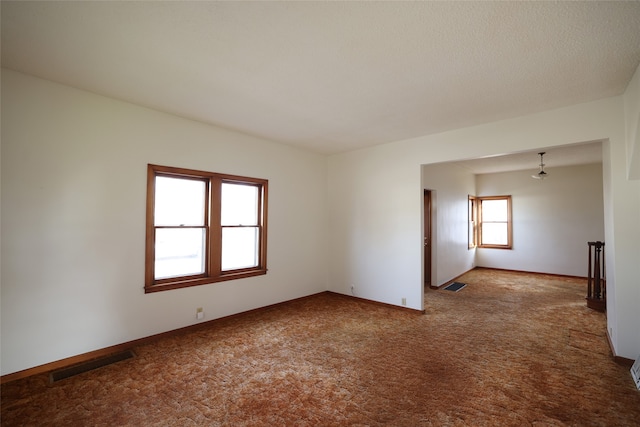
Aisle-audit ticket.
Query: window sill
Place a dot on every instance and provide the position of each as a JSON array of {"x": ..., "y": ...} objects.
[{"x": 178, "y": 284}]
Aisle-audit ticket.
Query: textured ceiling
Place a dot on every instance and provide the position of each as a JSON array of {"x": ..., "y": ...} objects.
[{"x": 331, "y": 76}]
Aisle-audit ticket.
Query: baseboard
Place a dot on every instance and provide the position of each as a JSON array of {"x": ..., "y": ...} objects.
[
  {"x": 108, "y": 351},
  {"x": 378, "y": 303},
  {"x": 448, "y": 282},
  {"x": 71, "y": 361},
  {"x": 628, "y": 363},
  {"x": 531, "y": 272},
  {"x": 111, "y": 350}
]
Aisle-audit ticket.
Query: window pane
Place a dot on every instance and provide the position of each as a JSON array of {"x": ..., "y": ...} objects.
[
  {"x": 239, "y": 204},
  {"x": 179, "y": 201},
  {"x": 494, "y": 234},
  {"x": 495, "y": 210},
  {"x": 239, "y": 247},
  {"x": 179, "y": 252}
]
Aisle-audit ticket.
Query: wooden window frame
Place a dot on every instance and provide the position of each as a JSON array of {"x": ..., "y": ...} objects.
[
  {"x": 472, "y": 222},
  {"x": 213, "y": 229},
  {"x": 480, "y": 223}
]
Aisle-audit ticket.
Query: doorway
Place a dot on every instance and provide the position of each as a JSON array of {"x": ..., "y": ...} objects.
[{"x": 427, "y": 238}]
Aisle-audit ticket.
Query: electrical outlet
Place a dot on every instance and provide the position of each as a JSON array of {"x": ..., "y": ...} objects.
[
  {"x": 199, "y": 313},
  {"x": 353, "y": 289},
  {"x": 404, "y": 301}
]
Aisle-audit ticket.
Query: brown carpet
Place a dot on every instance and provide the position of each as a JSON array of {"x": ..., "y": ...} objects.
[{"x": 510, "y": 349}]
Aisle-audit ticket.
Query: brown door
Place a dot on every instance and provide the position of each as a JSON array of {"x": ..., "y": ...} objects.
[{"x": 427, "y": 238}]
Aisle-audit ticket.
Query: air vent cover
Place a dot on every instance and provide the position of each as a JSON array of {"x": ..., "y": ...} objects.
[{"x": 90, "y": 365}]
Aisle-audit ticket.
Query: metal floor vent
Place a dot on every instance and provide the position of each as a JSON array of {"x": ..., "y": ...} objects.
[
  {"x": 90, "y": 365},
  {"x": 455, "y": 287}
]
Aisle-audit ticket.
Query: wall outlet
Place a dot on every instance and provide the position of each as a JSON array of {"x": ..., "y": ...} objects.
[
  {"x": 404, "y": 301},
  {"x": 199, "y": 313},
  {"x": 353, "y": 289}
]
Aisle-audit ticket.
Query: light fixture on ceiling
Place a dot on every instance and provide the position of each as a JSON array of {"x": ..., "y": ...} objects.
[{"x": 542, "y": 174}]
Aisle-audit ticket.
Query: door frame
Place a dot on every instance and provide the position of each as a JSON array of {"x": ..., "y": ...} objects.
[{"x": 427, "y": 238}]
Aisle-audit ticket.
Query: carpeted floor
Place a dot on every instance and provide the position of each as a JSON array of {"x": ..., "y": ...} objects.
[{"x": 510, "y": 349}]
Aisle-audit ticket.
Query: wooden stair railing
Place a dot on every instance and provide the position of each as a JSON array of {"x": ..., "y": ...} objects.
[{"x": 596, "y": 280}]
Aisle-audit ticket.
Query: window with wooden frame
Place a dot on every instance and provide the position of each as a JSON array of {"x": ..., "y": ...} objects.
[
  {"x": 203, "y": 227},
  {"x": 494, "y": 222},
  {"x": 472, "y": 217}
]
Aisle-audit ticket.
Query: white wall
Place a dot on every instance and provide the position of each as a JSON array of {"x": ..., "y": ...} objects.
[
  {"x": 73, "y": 184},
  {"x": 73, "y": 220},
  {"x": 374, "y": 245},
  {"x": 552, "y": 219},
  {"x": 625, "y": 232},
  {"x": 451, "y": 186},
  {"x": 632, "y": 125},
  {"x": 375, "y": 204}
]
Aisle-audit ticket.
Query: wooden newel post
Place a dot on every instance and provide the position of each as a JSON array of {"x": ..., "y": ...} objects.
[{"x": 596, "y": 280}]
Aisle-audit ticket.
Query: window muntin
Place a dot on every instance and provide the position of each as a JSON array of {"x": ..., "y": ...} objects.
[
  {"x": 494, "y": 222},
  {"x": 203, "y": 227}
]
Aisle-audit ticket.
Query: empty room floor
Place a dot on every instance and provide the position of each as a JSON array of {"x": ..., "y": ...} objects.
[{"x": 509, "y": 349}]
